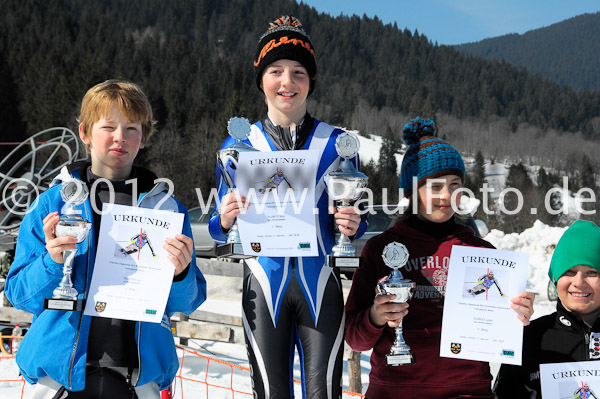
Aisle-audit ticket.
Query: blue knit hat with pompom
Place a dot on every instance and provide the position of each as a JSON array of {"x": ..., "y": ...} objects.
[{"x": 427, "y": 156}]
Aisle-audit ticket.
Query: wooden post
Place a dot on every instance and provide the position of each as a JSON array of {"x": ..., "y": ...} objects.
[
  {"x": 354, "y": 370},
  {"x": 182, "y": 317}
]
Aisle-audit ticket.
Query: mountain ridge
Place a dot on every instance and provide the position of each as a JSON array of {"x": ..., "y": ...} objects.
[{"x": 565, "y": 52}]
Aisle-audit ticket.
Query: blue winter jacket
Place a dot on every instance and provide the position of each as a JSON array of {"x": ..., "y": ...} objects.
[{"x": 56, "y": 344}]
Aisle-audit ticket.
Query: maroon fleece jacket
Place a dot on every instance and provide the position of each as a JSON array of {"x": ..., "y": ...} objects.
[{"x": 432, "y": 376}]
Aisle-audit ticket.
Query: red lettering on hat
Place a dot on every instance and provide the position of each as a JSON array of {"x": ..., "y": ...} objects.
[{"x": 283, "y": 40}]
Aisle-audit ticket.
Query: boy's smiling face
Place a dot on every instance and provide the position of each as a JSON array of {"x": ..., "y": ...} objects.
[
  {"x": 114, "y": 142},
  {"x": 286, "y": 85}
]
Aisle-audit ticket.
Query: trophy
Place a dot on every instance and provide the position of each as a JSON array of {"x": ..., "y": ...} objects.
[
  {"x": 227, "y": 160},
  {"x": 345, "y": 186},
  {"x": 73, "y": 192},
  {"x": 395, "y": 255}
]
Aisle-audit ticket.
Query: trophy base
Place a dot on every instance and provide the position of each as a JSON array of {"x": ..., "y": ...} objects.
[
  {"x": 401, "y": 359},
  {"x": 71, "y": 305},
  {"x": 345, "y": 262},
  {"x": 232, "y": 251}
]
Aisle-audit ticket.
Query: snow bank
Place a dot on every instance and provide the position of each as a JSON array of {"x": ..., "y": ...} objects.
[{"x": 539, "y": 242}]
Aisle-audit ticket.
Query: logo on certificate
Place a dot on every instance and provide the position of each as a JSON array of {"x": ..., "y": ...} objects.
[
  {"x": 100, "y": 306},
  {"x": 304, "y": 245},
  {"x": 455, "y": 348},
  {"x": 508, "y": 353},
  {"x": 255, "y": 246}
]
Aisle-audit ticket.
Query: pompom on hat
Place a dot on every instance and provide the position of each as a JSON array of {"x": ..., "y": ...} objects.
[
  {"x": 579, "y": 245},
  {"x": 285, "y": 39},
  {"x": 427, "y": 156}
]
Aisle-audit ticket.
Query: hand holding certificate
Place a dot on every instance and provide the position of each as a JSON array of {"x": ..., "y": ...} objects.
[
  {"x": 478, "y": 322},
  {"x": 133, "y": 274}
]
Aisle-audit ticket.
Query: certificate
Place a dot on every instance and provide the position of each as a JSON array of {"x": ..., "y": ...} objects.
[
  {"x": 478, "y": 323},
  {"x": 281, "y": 219},
  {"x": 132, "y": 274},
  {"x": 570, "y": 380}
]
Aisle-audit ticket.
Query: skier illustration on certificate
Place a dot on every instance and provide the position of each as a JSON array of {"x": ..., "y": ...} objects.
[
  {"x": 484, "y": 284},
  {"x": 584, "y": 392},
  {"x": 274, "y": 182},
  {"x": 138, "y": 242}
]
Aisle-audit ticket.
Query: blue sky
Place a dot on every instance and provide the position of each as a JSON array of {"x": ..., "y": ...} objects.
[{"x": 462, "y": 21}]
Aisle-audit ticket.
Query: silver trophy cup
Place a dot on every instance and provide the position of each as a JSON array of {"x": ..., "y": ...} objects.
[
  {"x": 227, "y": 161},
  {"x": 345, "y": 186},
  {"x": 395, "y": 255},
  {"x": 73, "y": 192}
]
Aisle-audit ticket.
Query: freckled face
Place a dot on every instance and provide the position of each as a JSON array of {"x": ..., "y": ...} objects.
[{"x": 114, "y": 143}]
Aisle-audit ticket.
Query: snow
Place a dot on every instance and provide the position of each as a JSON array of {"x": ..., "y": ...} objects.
[
  {"x": 539, "y": 242},
  {"x": 369, "y": 149}
]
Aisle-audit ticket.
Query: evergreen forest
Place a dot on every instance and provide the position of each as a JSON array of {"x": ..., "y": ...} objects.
[
  {"x": 193, "y": 58},
  {"x": 565, "y": 52}
]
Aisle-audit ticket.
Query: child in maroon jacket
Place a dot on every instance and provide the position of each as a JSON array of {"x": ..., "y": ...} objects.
[{"x": 436, "y": 170}]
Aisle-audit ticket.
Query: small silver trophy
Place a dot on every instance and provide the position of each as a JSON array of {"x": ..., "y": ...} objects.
[
  {"x": 73, "y": 192},
  {"x": 395, "y": 255},
  {"x": 345, "y": 186},
  {"x": 227, "y": 161}
]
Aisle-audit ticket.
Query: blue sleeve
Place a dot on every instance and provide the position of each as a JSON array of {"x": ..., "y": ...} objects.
[
  {"x": 33, "y": 274},
  {"x": 214, "y": 224},
  {"x": 188, "y": 294}
]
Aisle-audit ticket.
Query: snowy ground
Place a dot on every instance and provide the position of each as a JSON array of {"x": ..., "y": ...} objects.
[
  {"x": 538, "y": 241},
  {"x": 205, "y": 376}
]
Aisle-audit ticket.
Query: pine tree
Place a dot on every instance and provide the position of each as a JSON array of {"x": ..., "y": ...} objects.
[
  {"x": 518, "y": 179},
  {"x": 474, "y": 181},
  {"x": 388, "y": 166},
  {"x": 375, "y": 184}
]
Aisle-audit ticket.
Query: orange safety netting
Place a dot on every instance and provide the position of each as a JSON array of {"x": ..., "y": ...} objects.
[{"x": 181, "y": 380}]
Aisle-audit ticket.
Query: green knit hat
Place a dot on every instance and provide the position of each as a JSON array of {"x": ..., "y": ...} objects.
[{"x": 579, "y": 245}]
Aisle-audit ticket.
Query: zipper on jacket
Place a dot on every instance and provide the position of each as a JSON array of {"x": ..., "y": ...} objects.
[
  {"x": 87, "y": 269},
  {"x": 587, "y": 346},
  {"x": 139, "y": 354},
  {"x": 139, "y": 330},
  {"x": 74, "y": 350}
]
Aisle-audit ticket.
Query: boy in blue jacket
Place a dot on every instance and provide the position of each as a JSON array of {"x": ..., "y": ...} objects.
[{"x": 71, "y": 355}]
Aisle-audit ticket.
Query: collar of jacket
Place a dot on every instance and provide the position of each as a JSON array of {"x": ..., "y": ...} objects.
[
  {"x": 566, "y": 318},
  {"x": 144, "y": 176},
  {"x": 403, "y": 229},
  {"x": 282, "y": 137}
]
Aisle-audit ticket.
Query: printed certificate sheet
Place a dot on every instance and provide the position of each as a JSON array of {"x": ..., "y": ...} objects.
[
  {"x": 570, "y": 380},
  {"x": 281, "y": 189},
  {"x": 478, "y": 323},
  {"x": 132, "y": 273}
]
